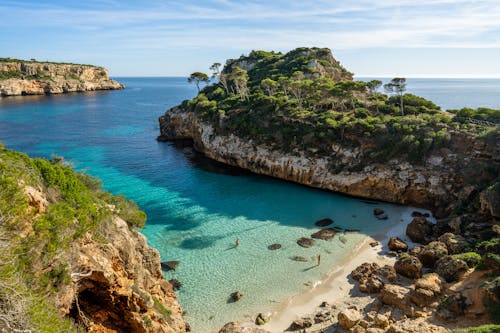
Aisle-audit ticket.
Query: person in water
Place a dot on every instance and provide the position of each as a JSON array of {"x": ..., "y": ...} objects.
[
  {"x": 319, "y": 259},
  {"x": 236, "y": 242}
]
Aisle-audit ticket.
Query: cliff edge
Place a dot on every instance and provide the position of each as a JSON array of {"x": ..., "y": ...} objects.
[
  {"x": 18, "y": 77},
  {"x": 71, "y": 257}
]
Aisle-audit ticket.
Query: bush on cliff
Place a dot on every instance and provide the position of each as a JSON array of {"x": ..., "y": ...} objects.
[{"x": 44, "y": 207}]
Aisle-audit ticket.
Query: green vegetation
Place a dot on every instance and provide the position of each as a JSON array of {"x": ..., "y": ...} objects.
[
  {"x": 471, "y": 258},
  {"x": 161, "y": 308},
  {"x": 484, "y": 114},
  {"x": 480, "y": 329},
  {"x": 35, "y": 236},
  {"x": 34, "y": 61},
  {"x": 21, "y": 75},
  {"x": 306, "y": 99}
]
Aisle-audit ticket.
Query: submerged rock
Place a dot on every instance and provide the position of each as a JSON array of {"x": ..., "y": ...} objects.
[
  {"x": 305, "y": 242},
  {"x": 299, "y": 258},
  {"x": 176, "y": 284},
  {"x": 274, "y": 246},
  {"x": 169, "y": 265},
  {"x": 236, "y": 296},
  {"x": 325, "y": 234},
  {"x": 378, "y": 211},
  {"x": 323, "y": 222}
]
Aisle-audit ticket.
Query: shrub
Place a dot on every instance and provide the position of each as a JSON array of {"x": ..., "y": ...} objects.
[{"x": 471, "y": 258}]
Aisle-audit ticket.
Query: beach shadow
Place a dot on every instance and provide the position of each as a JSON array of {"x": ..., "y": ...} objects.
[{"x": 309, "y": 268}]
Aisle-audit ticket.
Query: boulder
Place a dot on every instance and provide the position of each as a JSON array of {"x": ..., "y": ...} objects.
[
  {"x": 432, "y": 252},
  {"x": 381, "y": 320},
  {"x": 426, "y": 289},
  {"x": 397, "y": 244},
  {"x": 261, "y": 319},
  {"x": 169, "y": 265},
  {"x": 371, "y": 277},
  {"x": 176, "y": 284},
  {"x": 236, "y": 296},
  {"x": 348, "y": 318},
  {"x": 274, "y": 247},
  {"x": 450, "y": 268},
  {"x": 322, "y": 316},
  {"x": 371, "y": 285},
  {"x": 300, "y": 324},
  {"x": 305, "y": 242},
  {"x": 419, "y": 230},
  {"x": 394, "y": 295},
  {"x": 323, "y": 222},
  {"x": 325, "y": 234},
  {"x": 418, "y": 214},
  {"x": 409, "y": 266},
  {"x": 454, "y": 243},
  {"x": 378, "y": 211},
  {"x": 416, "y": 250}
]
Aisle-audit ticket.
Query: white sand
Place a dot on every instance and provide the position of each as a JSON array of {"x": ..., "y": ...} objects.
[{"x": 337, "y": 288}]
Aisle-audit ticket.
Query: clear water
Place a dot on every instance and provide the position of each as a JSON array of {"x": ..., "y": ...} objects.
[{"x": 194, "y": 215}]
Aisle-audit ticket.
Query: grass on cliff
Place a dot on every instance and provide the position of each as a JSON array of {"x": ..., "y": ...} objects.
[
  {"x": 306, "y": 99},
  {"x": 33, "y": 244},
  {"x": 34, "y": 61}
]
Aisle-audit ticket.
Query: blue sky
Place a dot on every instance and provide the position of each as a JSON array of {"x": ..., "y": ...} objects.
[{"x": 412, "y": 38}]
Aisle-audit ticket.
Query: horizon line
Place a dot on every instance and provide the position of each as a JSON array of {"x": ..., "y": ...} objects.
[{"x": 355, "y": 76}]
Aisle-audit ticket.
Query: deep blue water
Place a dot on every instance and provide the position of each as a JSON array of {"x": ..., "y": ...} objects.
[{"x": 195, "y": 215}]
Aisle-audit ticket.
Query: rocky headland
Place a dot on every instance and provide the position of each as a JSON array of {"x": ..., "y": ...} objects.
[
  {"x": 300, "y": 117},
  {"x": 71, "y": 258},
  {"x": 19, "y": 77}
]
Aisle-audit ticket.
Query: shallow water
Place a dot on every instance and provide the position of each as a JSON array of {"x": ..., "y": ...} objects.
[{"x": 194, "y": 215}]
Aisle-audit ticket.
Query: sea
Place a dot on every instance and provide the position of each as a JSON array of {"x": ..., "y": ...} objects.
[{"x": 198, "y": 209}]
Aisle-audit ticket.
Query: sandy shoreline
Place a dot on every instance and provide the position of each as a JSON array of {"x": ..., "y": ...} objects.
[{"x": 337, "y": 289}]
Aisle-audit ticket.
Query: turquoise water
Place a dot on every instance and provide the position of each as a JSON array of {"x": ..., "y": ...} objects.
[{"x": 194, "y": 215}]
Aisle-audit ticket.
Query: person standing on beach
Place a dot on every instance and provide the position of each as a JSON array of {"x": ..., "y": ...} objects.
[{"x": 319, "y": 259}]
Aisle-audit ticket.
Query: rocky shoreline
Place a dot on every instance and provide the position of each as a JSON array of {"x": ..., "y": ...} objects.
[
  {"x": 418, "y": 294},
  {"x": 33, "y": 78}
]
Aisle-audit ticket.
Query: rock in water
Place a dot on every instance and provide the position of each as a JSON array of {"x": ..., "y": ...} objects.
[
  {"x": 378, "y": 211},
  {"x": 169, "y": 265},
  {"x": 274, "y": 246},
  {"x": 176, "y": 284},
  {"x": 236, "y": 296},
  {"x": 397, "y": 244},
  {"x": 325, "y": 234},
  {"x": 261, "y": 319},
  {"x": 305, "y": 242},
  {"x": 324, "y": 222},
  {"x": 298, "y": 258}
]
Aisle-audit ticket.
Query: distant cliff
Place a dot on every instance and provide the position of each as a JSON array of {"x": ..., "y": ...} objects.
[{"x": 18, "y": 77}]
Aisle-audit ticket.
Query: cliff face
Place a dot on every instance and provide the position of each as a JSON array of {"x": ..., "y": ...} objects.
[
  {"x": 33, "y": 78},
  {"x": 443, "y": 179},
  {"x": 118, "y": 286}
]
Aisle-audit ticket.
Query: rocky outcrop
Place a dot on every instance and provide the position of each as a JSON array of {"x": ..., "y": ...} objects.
[
  {"x": 35, "y": 78},
  {"x": 118, "y": 285},
  {"x": 437, "y": 183}
]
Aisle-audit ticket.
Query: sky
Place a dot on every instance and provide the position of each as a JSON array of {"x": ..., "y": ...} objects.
[{"x": 383, "y": 38}]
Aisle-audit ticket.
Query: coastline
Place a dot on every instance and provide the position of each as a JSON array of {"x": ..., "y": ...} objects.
[{"x": 338, "y": 288}]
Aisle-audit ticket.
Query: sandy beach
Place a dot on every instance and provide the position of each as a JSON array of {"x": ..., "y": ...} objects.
[{"x": 338, "y": 288}]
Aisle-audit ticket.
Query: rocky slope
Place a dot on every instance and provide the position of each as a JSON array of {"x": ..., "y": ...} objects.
[
  {"x": 69, "y": 259},
  {"x": 443, "y": 179},
  {"x": 34, "y": 78}
]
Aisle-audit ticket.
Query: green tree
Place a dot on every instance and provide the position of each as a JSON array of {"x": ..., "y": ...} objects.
[
  {"x": 373, "y": 86},
  {"x": 215, "y": 68},
  {"x": 239, "y": 77},
  {"x": 398, "y": 87},
  {"x": 198, "y": 77},
  {"x": 269, "y": 86}
]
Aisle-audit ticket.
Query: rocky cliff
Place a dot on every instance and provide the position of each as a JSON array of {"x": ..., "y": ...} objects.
[
  {"x": 36, "y": 78},
  {"x": 72, "y": 258},
  {"x": 444, "y": 178}
]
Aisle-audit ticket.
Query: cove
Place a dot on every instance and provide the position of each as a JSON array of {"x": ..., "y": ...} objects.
[{"x": 194, "y": 215}]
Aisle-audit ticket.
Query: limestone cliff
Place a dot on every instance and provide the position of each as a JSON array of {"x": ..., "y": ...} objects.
[
  {"x": 36, "y": 78},
  {"x": 443, "y": 179}
]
